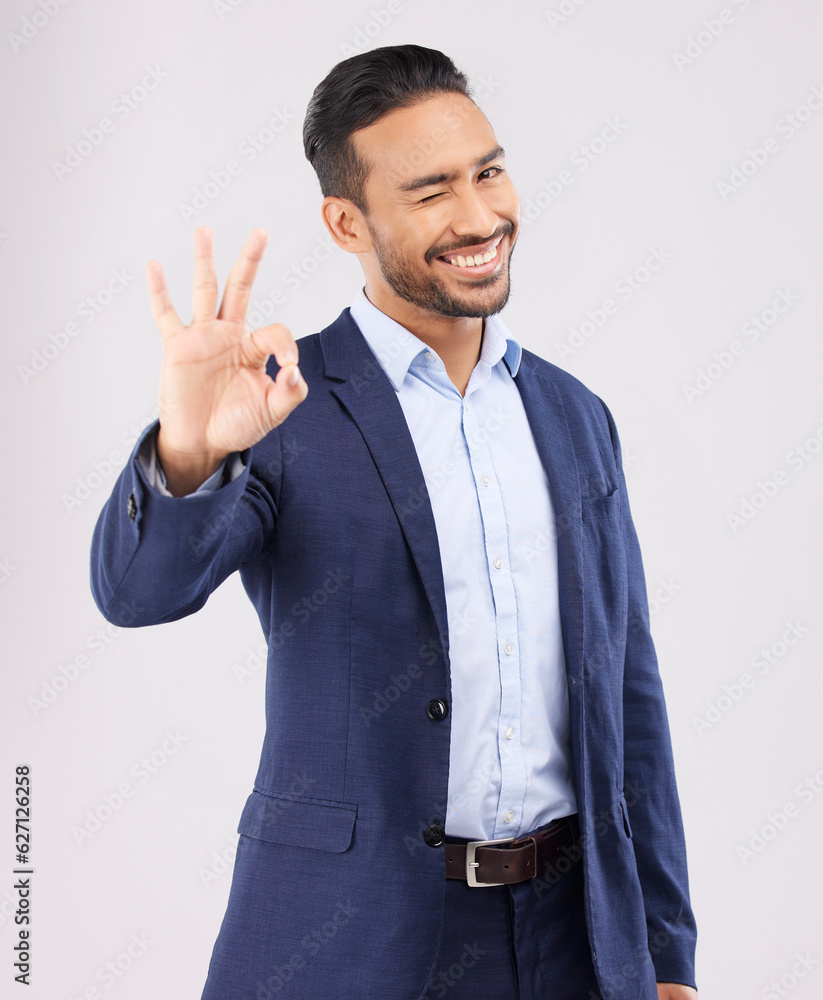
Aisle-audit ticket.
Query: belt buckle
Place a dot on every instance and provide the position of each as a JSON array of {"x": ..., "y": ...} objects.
[{"x": 471, "y": 864}]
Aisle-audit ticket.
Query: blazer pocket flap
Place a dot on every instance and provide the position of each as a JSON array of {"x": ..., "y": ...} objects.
[
  {"x": 298, "y": 822},
  {"x": 596, "y": 507}
]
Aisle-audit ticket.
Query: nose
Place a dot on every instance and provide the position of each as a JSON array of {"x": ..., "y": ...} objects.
[{"x": 472, "y": 214}]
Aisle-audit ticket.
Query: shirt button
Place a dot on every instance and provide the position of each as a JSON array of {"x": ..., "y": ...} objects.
[
  {"x": 484, "y": 479},
  {"x": 508, "y": 649},
  {"x": 508, "y": 816},
  {"x": 498, "y": 562},
  {"x": 509, "y": 732},
  {"x": 428, "y": 356}
]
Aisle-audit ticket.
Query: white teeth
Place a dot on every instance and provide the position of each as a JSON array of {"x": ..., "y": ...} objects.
[{"x": 476, "y": 260}]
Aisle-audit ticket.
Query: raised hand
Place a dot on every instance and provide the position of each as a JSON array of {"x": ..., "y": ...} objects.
[{"x": 215, "y": 395}]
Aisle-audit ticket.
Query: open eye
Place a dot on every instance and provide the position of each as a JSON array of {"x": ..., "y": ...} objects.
[{"x": 488, "y": 172}]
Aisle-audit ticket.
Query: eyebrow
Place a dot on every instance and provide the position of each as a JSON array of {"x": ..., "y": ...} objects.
[{"x": 432, "y": 179}]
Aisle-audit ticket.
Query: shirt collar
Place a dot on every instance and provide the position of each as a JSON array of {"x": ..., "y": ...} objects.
[{"x": 395, "y": 347}]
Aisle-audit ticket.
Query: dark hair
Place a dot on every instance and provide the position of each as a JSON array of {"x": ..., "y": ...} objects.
[{"x": 357, "y": 93}]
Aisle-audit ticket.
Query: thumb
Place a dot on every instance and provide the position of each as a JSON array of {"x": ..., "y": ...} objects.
[{"x": 285, "y": 393}]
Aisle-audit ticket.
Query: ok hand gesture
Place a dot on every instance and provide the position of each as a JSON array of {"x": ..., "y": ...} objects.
[{"x": 215, "y": 394}]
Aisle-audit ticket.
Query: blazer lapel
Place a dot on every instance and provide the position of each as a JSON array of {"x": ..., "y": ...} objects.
[{"x": 371, "y": 401}]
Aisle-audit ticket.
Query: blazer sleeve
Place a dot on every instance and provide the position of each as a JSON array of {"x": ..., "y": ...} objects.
[
  {"x": 650, "y": 786},
  {"x": 157, "y": 558}
]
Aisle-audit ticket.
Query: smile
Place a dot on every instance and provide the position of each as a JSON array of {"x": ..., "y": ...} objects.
[{"x": 482, "y": 260}]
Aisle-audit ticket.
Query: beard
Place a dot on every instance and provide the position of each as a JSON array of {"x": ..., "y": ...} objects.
[{"x": 428, "y": 291}]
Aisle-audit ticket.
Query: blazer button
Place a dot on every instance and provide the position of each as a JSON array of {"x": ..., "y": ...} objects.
[
  {"x": 131, "y": 507},
  {"x": 434, "y": 835},
  {"x": 437, "y": 709}
]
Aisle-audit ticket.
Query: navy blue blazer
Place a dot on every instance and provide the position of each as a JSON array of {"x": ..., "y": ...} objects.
[{"x": 332, "y": 531}]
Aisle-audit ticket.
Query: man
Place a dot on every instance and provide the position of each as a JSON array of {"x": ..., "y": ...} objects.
[{"x": 433, "y": 526}]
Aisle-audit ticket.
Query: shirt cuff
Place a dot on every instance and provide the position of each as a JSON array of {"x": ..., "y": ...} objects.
[{"x": 230, "y": 468}]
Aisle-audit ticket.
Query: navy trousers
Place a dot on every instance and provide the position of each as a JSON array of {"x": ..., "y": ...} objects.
[{"x": 526, "y": 941}]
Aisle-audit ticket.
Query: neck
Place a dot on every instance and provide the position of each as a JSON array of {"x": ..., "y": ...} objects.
[{"x": 456, "y": 339}]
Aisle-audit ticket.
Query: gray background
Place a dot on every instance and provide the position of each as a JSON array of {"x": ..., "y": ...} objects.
[{"x": 719, "y": 592}]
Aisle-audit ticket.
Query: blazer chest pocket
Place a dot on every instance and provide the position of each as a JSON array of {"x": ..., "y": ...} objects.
[
  {"x": 624, "y": 810},
  {"x": 594, "y": 508},
  {"x": 298, "y": 822}
]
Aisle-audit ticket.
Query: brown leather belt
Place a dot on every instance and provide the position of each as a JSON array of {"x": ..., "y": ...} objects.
[{"x": 512, "y": 859}]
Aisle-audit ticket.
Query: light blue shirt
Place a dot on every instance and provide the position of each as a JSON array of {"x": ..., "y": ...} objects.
[{"x": 510, "y": 751}]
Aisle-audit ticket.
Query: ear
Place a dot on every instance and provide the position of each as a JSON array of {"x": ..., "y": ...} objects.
[{"x": 345, "y": 223}]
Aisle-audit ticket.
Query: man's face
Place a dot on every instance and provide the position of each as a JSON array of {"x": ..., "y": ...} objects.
[{"x": 437, "y": 188}]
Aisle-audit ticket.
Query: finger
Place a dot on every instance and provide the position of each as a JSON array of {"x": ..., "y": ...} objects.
[
  {"x": 238, "y": 286},
  {"x": 276, "y": 339},
  {"x": 167, "y": 320},
  {"x": 205, "y": 280},
  {"x": 285, "y": 393}
]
